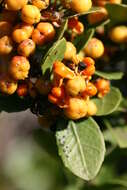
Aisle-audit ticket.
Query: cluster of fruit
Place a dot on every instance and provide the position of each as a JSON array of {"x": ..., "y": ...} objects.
[
  {"x": 72, "y": 87},
  {"x": 22, "y": 30}
]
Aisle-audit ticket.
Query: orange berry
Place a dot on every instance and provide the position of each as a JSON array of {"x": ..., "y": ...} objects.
[
  {"x": 6, "y": 45},
  {"x": 44, "y": 32},
  {"x": 60, "y": 69},
  {"x": 7, "y": 85},
  {"x": 19, "y": 67},
  {"x": 88, "y": 61},
  {"x": 94, "y": 48},
  {"x": 15, "y": 5},
  {"x": 41, "y": 4},
  {"x": 52, "y": 99},
  {"x": 38, "y": 38},
  {"x": 103, "y": 86},
  {"x": 26, "y": 48},
  {"x": 91, "y": 90},
  {"x": 58, "y": 92},
  {"x": 77, "y": 108},
  {"x": 89, "y": 71},
  {"x": 22, "y": 90},
  {"x": 97, "y": 17}
]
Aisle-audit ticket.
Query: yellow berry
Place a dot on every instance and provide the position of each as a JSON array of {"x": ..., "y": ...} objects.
[
  {"x": 26, "y": 48},
  {"x": 91, "y": 108},
  {"x": 75, "y": 86},
  {"x": 6, "y": 45},
  {"x": 41, "y": 4},
  {"x": 70, "y": 52},
  {"x": 118, "y": 34},
  {"x": 78, "y": 6},
  {"x": 30, "y": 14},
  {"x": 77, "y": 108},
  {"x": 94, "y": 48},
  {"x": 19, "y": 68},
  {"x": 22, "y": 32},
  {"x": 44, "y": 32}
]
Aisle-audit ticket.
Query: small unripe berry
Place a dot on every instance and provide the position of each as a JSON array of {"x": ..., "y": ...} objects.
[
  {"x": 7, "y": 85},
  {"x": 15, "y": 5},
  {"x": 26, "y": 48},
  {"x": 30, "y": 14},
  {"x": 94, "y": 48},
  {"x": 75, "y": 86},
  {"x": 19, "y": 67},
  {"x": 77, "y": 108},
  {"x": 58, "y": 92},
  {"x": 6, "y": 45},
  {"x": 118, "y": 34}
]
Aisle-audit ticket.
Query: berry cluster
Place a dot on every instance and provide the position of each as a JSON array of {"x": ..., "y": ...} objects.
[{"x": 22, "y": 30}]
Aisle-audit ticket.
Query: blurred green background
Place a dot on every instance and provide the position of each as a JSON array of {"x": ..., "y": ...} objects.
[{"x": 29, "y": 161}]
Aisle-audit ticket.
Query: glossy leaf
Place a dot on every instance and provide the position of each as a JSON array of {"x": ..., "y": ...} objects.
[
  {"x": 56, "y": 52},
  {"x": 82, "y": 40},
  {"x": 117, "y": 13},
  {"x": 81, "y": 147},
  {"x": 109, "y": 103},
  {"x": 109, "y": 76}
]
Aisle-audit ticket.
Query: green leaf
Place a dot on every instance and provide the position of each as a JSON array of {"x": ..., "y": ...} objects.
[
  {"x": 56, "y": 52},
  {"x": 109, "y": 76},
  {"x": 117, "y": 135},
  {"x": 62, "y": 29},
  {"x": 117, "y": 13},
  {"x": 14, "y": 103},
  {"x": 82, "y": 40},
  {"x": 81, "y": 147},
  {"x": 70, "y": 13},
  {"x": 109, "y": 103}
]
